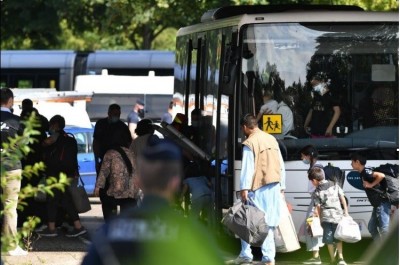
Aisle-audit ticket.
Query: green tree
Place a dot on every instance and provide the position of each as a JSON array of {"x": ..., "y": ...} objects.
[
  {"x": 29, "y": 24},
  {"x": 118, "y": 25},
  {"x": 137, "y": 23}
]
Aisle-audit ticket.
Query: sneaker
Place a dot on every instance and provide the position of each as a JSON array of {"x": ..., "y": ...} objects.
[
  {"x": 18, "y": 251},
  {"x": 242, "y": 260},
  {"x": 313, "y": 261},
  {"x": 48, "y": 233},
  {"x": 76, "y": 232},
  {"x": 341, "y": 262},
  {"x": 41, "y": 228}
]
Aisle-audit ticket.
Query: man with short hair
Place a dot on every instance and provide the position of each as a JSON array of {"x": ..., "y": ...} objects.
[
  {"x": 135, "y": 116},
  {"x": 167, "y": 116},
  {"x": 154, "y": 233},
  {"x": 262, "y": 180},
  {"x": 374, "y": 184},
  {"x": 325, "y": 108},
  {"x": 10, "y": 127},
  {"x": 102, "y": 135}
]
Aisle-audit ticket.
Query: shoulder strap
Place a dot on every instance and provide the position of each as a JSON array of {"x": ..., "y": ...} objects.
[{"x": 128, "y": 163}]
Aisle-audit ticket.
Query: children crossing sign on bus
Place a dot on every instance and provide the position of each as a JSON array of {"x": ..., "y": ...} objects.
[{"x": 272, "y": 123}]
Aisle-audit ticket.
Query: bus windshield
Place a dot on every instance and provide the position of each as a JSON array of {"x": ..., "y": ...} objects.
[{"x": 334, "y": 85}]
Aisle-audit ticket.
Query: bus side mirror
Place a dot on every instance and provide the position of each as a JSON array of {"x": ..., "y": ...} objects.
[{"x": 229, "y": 71}]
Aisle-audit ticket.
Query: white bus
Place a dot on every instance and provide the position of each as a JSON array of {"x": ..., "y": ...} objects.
[{"x": 225, "y": 63}]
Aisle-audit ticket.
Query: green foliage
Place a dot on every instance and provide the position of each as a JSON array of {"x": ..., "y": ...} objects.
[
  {"x": 15, "y": 150},
  {"x": 119, "y": 25},
  {"x": 166, "y": 40}
]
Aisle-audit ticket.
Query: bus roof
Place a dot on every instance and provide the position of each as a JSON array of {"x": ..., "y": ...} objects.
[
  {"x": 294, "y": 16},
  {"x": 230, "y": 11}
]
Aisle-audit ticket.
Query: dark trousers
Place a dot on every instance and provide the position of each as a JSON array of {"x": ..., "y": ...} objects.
[
  {"x": 64, "y": 200},
  {"x": 108, "y": 205}
]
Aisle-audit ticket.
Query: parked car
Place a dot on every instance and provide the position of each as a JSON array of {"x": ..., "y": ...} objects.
[{"x": 87, "y": 169}]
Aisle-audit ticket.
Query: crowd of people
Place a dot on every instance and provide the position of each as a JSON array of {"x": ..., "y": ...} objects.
[{"x": 140, "y": 176}]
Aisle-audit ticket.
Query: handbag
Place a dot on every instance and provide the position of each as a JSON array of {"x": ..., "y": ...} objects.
[
  {"x": 315, "y": 227},
  {"x": 348, "y": 230},
  {"x": 285, "y": 233},
  {"x": 247, "y": 222},
  {"x": 79, "y": 195}
]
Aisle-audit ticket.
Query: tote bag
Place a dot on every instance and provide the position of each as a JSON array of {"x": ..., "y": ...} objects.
[
  {"x": 315, "y": 227},
  {"x": 348, "y": 230},
  {"x": 285, "y": 233},
  {"x": 79, "y": 196}
]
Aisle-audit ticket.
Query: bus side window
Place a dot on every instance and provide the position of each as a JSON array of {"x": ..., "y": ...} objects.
[{"x": 379, "y": 108}]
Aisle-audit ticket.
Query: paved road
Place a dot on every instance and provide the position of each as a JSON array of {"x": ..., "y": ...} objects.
[{"x": 70, "y": 251}]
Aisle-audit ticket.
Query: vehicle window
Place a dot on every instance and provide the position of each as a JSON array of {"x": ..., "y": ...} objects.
[
  {"x": 357, "y": 67},
  {"x": 81, "y": 140}
]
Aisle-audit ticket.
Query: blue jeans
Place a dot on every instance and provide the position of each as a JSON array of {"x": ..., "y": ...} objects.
[
  {"x": 329, "y": 231},
  {"x": 378, "y": 225},
  {"x": 267, "y": 248}
]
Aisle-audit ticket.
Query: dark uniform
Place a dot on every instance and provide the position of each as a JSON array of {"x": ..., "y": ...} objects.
[{"x": 152, "y": 234}]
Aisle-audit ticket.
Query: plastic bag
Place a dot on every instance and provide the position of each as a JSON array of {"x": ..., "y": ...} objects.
[
  {"x": 348, "y": 230},
  {"x": 247, "y": 222},
  {"x": 315, "y": 227}
]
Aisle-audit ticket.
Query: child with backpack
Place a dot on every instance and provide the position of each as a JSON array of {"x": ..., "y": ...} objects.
[
  {"x": 378, "y": 225},
  {"x": 328, "y": 197}
]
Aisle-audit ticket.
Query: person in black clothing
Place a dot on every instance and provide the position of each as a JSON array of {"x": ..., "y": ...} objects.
[
  {"x": 154, "y": 233},
  {"x": 34, "y": 156},
  {"x": 374, "y": 185},
  {"x": 61, "y": 156},
  {"x": 103, "y": 133},
  {"x": 325, "y": 110},
  {"x": 10, "y": 128}
]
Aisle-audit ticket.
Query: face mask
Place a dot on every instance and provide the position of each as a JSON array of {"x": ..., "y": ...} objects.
[
  {"x": 52, "y": 131},
  {"x": 320, "y": 88},
  {"x": 54, "y": 135},
  {"x": 113, "y": 119},
  {"x": 306, "y": 161},
  {"x": 141, "y": 113}
]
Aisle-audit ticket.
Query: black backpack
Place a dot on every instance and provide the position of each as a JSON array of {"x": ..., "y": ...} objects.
[
  {"x": 390, "y": 184},
  {"x": 334, "y": 174},
  {"x": 388, "y": 169}
]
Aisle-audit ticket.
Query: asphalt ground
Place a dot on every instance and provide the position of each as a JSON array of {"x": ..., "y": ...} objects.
[{"x": 70, "y": 251}]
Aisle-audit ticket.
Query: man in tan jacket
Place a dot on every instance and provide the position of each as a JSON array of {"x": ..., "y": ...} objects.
[{"x": 262, "y": 179}]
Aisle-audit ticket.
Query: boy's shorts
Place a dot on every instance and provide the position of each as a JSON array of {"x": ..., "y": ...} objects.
[{"x": 329, "y": 232}]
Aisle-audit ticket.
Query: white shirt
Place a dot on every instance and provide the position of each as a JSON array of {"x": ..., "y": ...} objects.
[
  {"x": 271, "y": 105},
  {"x": 287, "y": 119}
]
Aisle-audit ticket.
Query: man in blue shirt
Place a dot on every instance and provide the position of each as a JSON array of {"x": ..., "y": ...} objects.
[{"x": 135, "y": 116}]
